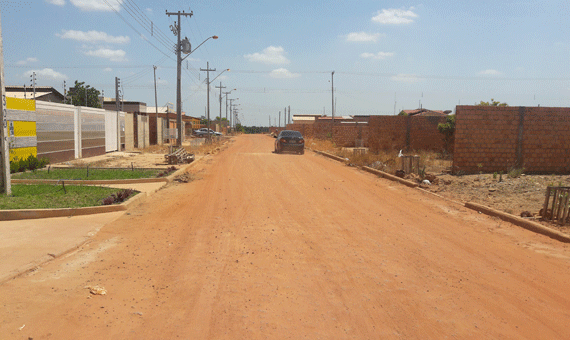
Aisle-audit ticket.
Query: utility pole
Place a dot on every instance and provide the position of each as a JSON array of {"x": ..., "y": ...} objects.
[
  {"x": 289, "y": 121},
  {"x": 226, "y": 94},
  {"x": 220, "y": 87},
  {"x": 156, "y": 106},
  {"x": 208, "y": 70},
  {"x": 332, "y": 89},
  {"x": 176, "y": 30},
  {"x": 279, "y": 119},
  {"x": 117, "y": 98},
  {"x": 5, "y": 183}
]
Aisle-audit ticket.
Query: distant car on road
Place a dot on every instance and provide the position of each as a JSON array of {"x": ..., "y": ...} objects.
[
  {"x": 289, "y": 140},
  {"x": 203, "y": 132}
]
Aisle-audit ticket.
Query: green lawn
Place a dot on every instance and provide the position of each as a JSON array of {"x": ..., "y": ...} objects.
[
  {"x": 81, "y": 174},
  {"x": 49, "y": 196}
]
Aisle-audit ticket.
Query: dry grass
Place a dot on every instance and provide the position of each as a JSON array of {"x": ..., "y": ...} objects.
[{"x": 387, "y": 161}]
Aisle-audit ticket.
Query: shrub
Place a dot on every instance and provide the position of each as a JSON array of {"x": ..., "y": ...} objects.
[
  {"x": 119, "y": 197},
  {"x": 30, "y": 163}
]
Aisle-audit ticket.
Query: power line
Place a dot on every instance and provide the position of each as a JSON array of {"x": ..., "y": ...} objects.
[
  {"x": 140, "y": 34},
  {"x": 147, "y": 24}
]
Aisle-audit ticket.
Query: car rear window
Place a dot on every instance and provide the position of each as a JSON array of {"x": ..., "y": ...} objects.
[{"x": 291, "y": 134}]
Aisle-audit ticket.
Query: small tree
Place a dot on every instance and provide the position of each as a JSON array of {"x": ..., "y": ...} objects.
[
  {"x": 83, "y": 95},
  {"x": 402, "y": 113},
  {"x": 492, "y": 103},
  {"x": 448, "y": 131}
]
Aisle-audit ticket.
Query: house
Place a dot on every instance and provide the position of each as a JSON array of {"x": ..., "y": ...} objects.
[{"x": 43, "y": 93}]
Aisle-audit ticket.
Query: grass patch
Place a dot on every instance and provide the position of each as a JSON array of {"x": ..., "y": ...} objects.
[
  {"x": 49, "y": 196},
  {"x": 87, "y": 175}
]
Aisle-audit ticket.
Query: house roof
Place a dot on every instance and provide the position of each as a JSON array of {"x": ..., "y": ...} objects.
[{"x": 22, "y": 92}]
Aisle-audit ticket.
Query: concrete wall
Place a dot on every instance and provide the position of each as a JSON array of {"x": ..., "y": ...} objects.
[
  {"x": 143, "y": 132},
  {"x": 493, "y": 139},
  {"x": 129, "y": 132}
]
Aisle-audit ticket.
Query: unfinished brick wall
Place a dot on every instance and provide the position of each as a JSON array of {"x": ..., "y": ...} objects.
[
  {"x": 343, "y": 134},
  {"x": 493, "y": 139},
  {"x": 405, "y": 133}
]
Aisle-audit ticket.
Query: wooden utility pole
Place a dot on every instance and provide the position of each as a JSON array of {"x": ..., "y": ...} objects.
[
  {"x": 220, "y": 87},
  {"x": 176, "y": 30},
  {"x": 5, "y": 184}
]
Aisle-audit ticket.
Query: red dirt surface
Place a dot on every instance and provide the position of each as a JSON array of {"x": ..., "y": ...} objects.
[{"x": 268, "y": 246}]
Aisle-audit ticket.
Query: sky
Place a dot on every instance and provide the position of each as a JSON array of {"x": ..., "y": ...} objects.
[{"x": 386, "y": 55}]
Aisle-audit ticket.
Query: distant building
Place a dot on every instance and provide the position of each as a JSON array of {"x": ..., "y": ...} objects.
[{"x": 43, "y": 93}]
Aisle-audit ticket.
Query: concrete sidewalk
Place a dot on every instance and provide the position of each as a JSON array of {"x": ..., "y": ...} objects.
[{"x": 27, "y": 243}]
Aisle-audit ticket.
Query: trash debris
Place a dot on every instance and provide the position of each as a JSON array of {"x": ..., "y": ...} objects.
[
  {"x": 426, "y": 182},
  {"x": 184, "y": 178},
  {"x": 22, "y": 327},
  {"x": 96, "y": 290},
  {"x": 400, "y": 173}
]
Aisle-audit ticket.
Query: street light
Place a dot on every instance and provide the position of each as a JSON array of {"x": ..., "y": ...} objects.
[{"x": 187, "y": 47}]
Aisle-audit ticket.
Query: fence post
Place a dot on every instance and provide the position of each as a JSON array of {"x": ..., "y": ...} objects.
[{"x": 77, "y": 131}]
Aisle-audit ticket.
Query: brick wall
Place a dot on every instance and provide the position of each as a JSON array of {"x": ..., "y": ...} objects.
[
  {"x": 381, "y": 132},
  {"x": 424, "y": 134},
  {"x": 406, "y": 133},
  {"x": 502, "y": 138}
]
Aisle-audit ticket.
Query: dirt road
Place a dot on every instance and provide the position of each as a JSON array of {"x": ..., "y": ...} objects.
[{"x": 268, "y": 246}]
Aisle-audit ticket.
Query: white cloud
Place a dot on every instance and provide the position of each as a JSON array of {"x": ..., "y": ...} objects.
[
  {"x": 406, "y": 78},
  {"x": 27, "y": 61},
  {"x": 378, "y": 56},
  {"x": 271, "y": 55},
  {"x": 395, "y": 16},
  {"x": 108, "y": 69},
  {"x": 149, "y": 11},
  {"x": 46, "y": 73},
  {"x": 363, "y": 37},
  {"x": 56, "y": 2},
  {"x": 490, "y": 73},
  {"x": 97, "y": 5},
  {"x": 282, "y": 73},
  {"x": 113, "y": 55},
  {"x": 93, "y": 37}
]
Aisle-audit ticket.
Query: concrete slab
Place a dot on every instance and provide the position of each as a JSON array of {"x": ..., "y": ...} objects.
[{"x": 25, "y": 244}]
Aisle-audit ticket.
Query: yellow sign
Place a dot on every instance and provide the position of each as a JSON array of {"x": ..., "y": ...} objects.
[{"x": 20, "y": 104}]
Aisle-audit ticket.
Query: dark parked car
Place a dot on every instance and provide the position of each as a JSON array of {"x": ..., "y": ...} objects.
[{"x": 289, "y": 140}]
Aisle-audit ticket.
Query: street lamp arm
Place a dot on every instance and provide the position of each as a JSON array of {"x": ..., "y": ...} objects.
[
  {"x": 219, "y": 75},
  {"x": 212, "y": 37}
]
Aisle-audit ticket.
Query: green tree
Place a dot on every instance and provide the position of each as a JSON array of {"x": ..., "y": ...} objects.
[
  {"x": 402, "y": 113},
  {"x": 492, "y": 103},
  {"x": 448, "y": 131},
  {"x": 83, "y": 95}
]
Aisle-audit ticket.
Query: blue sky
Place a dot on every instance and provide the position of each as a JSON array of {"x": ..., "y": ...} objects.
[{"x": 387, "y": 55}]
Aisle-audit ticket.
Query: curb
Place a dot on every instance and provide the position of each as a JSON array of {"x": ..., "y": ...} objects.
[
  {"x": 390, "y": 177},
  {"x": 336, "y": 158},
  {"x": 29, "y": 214},
  {"x": 529, "y": 225},
  {"x": 99, "y": 182}
]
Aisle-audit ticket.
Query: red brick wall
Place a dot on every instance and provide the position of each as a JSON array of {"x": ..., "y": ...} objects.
[
  {"x": 381, "y": 132},
  {"x": 424, "y": 134},
  {"x": 501, "y": 138},
  {"x": 405, "y": 132}
]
